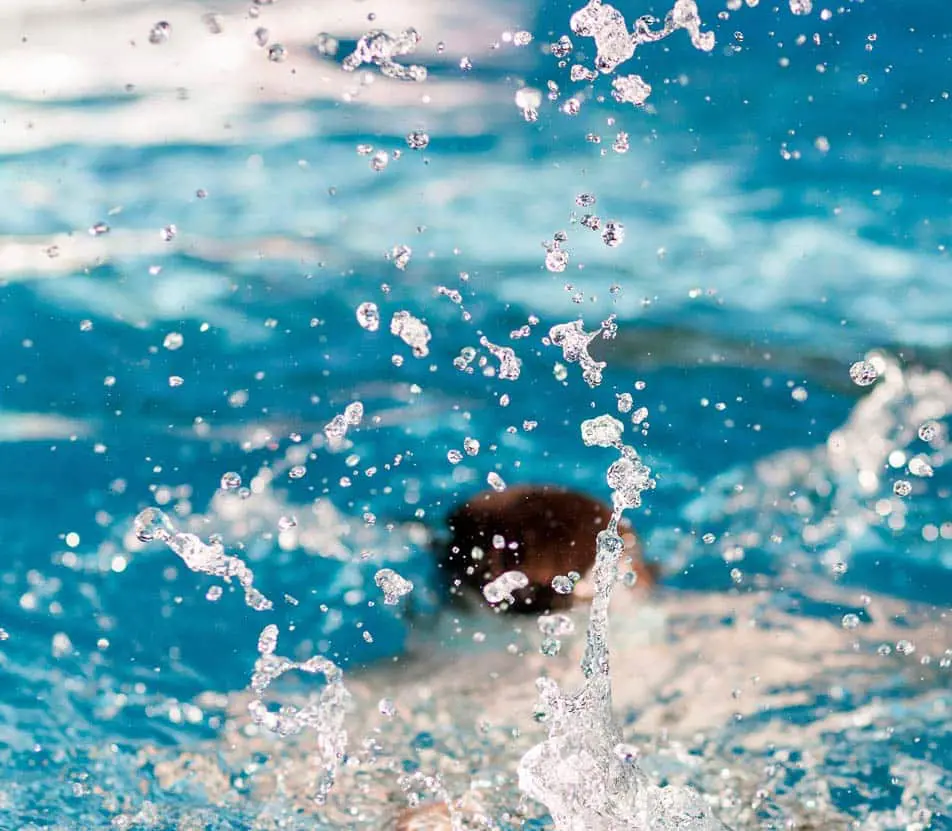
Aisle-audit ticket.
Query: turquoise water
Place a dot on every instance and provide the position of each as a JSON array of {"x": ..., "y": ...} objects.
[{"x": 786, "y": 210}]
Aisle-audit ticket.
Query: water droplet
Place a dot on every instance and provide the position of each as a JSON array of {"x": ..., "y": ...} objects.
[
  {"x": 556, "y": 260},
  {"x": 152, "y": 524},
  {"x": 326, "y": 44},
  {"x": 297, "y": 472},
  {"x": 850, "y": 621},
  {"x": 99, "y": 229},
  {"x": 902, "y": 487},
  {"x": 368, "y": 316},
  {"x": 285, "y": 523},
  {"x": 561, "y": 584},
  {"x": 417, "y": 140},
  {"x": 495, "y": 481},
  {"x": 602, "y": 431},
  {"x": 393, "y": 586},
  {"x": 471, "y": 446},
  {"x": 503, "y": 586},
  {"x": 160, "y": 32},
  {"x": 277, "y": 53},
  {"x": 929, "y": 431},
  {"x": 454, "y": 457},
  {"x": 173, "y": 341},
  {"x": 863, "y": 373},
  {"x": 230, "y": 481},
  {"x": 614, "y": 234}
]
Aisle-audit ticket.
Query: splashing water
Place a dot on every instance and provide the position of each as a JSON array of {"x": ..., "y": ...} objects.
[
  {"x": 579, "y": 773},
  {"x": 393, "y": 586},
  {"x": 381, "y": 48},
  {"x": 324, "y": 714},
  {"x": 205, "y": 558}
]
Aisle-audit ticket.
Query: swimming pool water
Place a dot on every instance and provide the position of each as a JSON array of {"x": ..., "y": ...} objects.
[{"x": 785, "y": 202}]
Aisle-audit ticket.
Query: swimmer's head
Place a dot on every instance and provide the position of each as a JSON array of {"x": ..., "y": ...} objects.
[{"x": 545, "y": 532}]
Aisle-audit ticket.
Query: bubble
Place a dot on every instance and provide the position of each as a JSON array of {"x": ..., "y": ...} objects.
[
  {"x": 801, "y": 6},
  {"x": 176, "y": 380},
  {"x": 471, "y": 446},
  {"x": 285, "y": 523},
  {"x": 173, "y": 341},
  {"x": 160, "y": 32},
  {"x": 503, "y": 586},
  {"x": 381, "y": 49},
  {"x": 863, "y": 373},
  {"x": 268, "y": 640},
  {"x": 152, "y": 524},
  {"x": 393, "y": 586},
  {"x": 454, "y": 457},
  {"x": 297, "y": 472},
  {"x": 386, "y": 707},
  {"x": 902, "y": 487},
  {"x": 621, "y": 144},
  {"x": 230, "y": 481},
  {"x": 495, "y": 481},
  {"x": 522, "y": 38},
  {"x": 379, "y": 161},
  {"x": 585, "y": 200},
  {"x": 368, "y": 316},
  {"x": 905, "y": 647},
  {"x": 214, "y": 593},
  {"x": 326, "y": 44}
]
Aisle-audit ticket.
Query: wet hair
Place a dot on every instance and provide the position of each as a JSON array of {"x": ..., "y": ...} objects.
[{"x": 543, "y": 531}]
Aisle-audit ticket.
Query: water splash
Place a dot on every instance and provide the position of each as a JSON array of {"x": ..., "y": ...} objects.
[
  {"x": 381, "y": 49},
  {"x": 205, "y": 558},
  {"x": 323, "y": 714},
  {"x": 578, "y": 773}
]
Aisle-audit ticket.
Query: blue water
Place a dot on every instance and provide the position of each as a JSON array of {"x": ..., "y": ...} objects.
[{"x": 803, "y": 264}]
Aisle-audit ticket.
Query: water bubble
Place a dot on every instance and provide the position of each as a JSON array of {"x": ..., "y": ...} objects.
[
  {"x": 387, "y": 707},
  {"x": 152, "y": 524},
  {"x": 176, "y": 380},
  {"x": 326, "y": 44},
  {"x": 863, "y": 373},
  {"x": 905, "y": 647},
  {"x": 454, "y": 457},
  {"x": 590, "y": 221},
  {"x": 173, "y": 341},
  {"x": 160, "y": 32},
  {"x": 902, "y": 487},
  {"x": 522, "y": 38},
  {"x": 503, "y": 586},
  {"x": 285, "y": 523},
  {"x": 368, "y": 316},
  {"x": 801, "y": 6},
  {"x": 393, "y": 586},
  {"x": 297, "y": 472},
  {"x": 277, "y": 53},
  {"x": 379, "y": 161},
  {"x": 495, "y": 481},
  {"x": 621, "y": 144},
  {"x": 168, "y": 233},
  {"x": 230, "y": 481},
  {"x": 261, "y": 36},
  {"x": 471, "y": 446},
  {"x": 585, "y": 200},
  {"x": 381, "y": 48}
]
